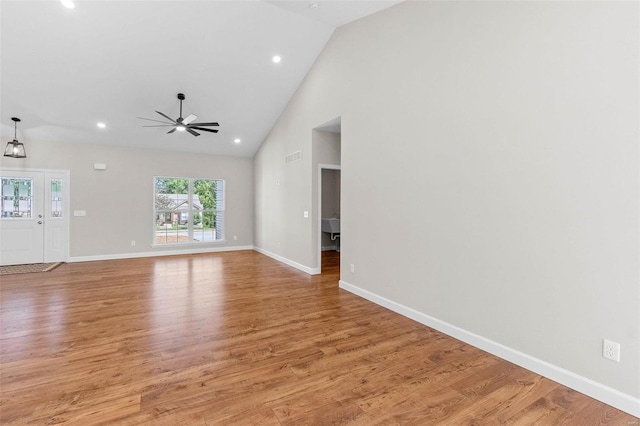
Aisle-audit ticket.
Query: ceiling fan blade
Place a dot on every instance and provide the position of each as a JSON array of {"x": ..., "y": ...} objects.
[
  {"x": 160, "y": 125},
  {"x": 192, "y": 132},
  {"x": 172, "y": 130},
  {"x": 167, "y": 117},
  {"x": 204, "y": 124},
  {"x": 150, "y": 119},
  {"x": 204, "y": 130},
  {"x": 189, "y": 119}
]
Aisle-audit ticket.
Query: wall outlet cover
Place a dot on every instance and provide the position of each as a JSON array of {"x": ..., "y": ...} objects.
[{"x": 611, "y": 350}]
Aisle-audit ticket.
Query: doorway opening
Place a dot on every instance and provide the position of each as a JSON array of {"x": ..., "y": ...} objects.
[
  {"x": 329, "y": 194},
  {"x": 327, "y": 153}
]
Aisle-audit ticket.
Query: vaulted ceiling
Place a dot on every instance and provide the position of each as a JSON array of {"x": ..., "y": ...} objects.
[{"x": 64, "y": 70}]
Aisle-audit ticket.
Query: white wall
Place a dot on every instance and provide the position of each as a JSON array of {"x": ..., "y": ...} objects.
[
  {"x": 504, "y": 136},
  {"x": 119, "y": 200}
]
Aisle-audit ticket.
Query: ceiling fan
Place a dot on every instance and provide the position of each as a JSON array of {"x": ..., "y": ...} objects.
[{"x": 182, "y": 124}]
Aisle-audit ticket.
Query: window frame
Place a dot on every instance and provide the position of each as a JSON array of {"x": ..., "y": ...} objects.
[{"x": 190, "y": 211}]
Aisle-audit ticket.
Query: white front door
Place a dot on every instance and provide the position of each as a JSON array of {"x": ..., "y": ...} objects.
[{"x": 22, "y": 217}]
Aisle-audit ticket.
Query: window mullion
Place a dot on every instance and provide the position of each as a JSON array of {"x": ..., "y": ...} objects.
[{"x": 190, "y": 204}]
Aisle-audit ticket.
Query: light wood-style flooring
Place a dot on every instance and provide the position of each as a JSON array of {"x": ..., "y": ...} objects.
[{"x": 239, "y": 338}]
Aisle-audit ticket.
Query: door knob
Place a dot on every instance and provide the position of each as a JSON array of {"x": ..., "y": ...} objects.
[
  {"x": 40, "y": 216},
  {"x": 39, "y": 222}
]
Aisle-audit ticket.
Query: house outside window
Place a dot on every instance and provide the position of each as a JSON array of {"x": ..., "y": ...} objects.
[{"x": 188, "y": 210}]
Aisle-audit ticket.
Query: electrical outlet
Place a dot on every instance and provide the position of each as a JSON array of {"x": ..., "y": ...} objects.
[
  {"x": 353, "y": 268},
  {"x": 133, "y": 243},
  {"x": 611, "y": 350}
]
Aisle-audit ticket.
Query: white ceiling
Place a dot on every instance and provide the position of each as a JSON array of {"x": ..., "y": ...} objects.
[
  {"x": 334, "y": 12},
  {"x": 62, "y": 70}
]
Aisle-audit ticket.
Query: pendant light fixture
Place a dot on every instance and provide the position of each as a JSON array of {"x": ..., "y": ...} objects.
[{"x": 14, "y": 148}]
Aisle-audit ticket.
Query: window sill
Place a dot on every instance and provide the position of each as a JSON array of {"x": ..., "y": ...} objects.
[{"x": 202, "y": 244}]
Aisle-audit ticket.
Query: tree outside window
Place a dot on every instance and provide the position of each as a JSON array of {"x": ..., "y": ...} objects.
[{"x": 188, "y": 210}]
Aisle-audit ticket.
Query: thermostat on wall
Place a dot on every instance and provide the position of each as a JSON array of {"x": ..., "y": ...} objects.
[{"x": 99, "y": 166}]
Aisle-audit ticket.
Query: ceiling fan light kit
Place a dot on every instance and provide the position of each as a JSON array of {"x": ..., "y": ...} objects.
[
  {"x": 14, "y": 148},
  {"x": 182, "y": 124}
]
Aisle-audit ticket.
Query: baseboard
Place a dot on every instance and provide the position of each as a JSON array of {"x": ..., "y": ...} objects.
[
  {"x": 190, "y": 250},
  {"x": 308, "y": 270},
  {"x": 613, "y": 397}
]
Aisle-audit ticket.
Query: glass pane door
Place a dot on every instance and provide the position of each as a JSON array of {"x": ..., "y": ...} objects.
[
  {"x": 22, "y": 219},
  {"x": 17, "y": 198}
]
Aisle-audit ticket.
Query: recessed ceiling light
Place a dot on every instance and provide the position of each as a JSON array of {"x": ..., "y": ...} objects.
[
  {"x": 102, "y": 125},
  {"x": 68, "y": 4},
  {"x": 276, "y": 59},
  {"x": 237, "y": 140},
  {"x": 314, "y": 5}
]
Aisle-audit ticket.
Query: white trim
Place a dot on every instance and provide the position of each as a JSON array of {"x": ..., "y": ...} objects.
[
  {"x": 193, "y": 250},
  {"x": 308, "y": 270},
  {"x": 603, "y": 393},
  {"x": 190, "y": 250}
]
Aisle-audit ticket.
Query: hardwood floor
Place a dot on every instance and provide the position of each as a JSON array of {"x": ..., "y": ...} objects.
[{"x": 238, "y": 338}]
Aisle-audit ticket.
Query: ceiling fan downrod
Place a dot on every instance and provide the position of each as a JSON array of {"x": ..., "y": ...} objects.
[{"x": 182, "y": 98}]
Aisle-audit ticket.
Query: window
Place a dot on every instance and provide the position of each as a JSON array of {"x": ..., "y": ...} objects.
[
  {"x": 16, "y": 198},
  {"x": 56, "y": 198},
  {"x": 188, "y": 210}
]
